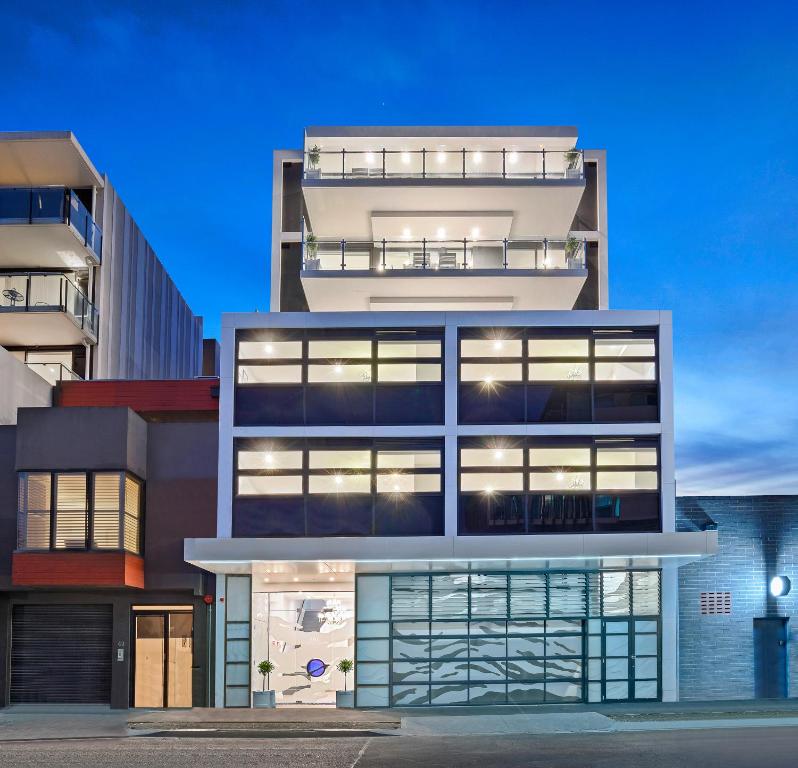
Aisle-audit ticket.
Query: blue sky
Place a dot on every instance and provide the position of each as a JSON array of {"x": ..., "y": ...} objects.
[{"x": 181, "y": 103}]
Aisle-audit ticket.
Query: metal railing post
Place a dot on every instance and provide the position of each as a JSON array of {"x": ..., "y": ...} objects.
[
  {"x": 545, "y": 251},
  {"x": 383, "y": 162},
  {"x": 504, "y": 163},
  {"x": 27, "y": 293},
  {"x": 383, "y": 254},
  {"x": 424, "y": 253},
  {"x": 464, "y": 164},
  {"x": 505, "y": 253},
  {"x": 343, "y": 163},
  {"x": 343, "y": 254},
  {"x": 423, "y": 162},
  {"x": 465, "y": 254},
  {"x": 543, "y": 152}
]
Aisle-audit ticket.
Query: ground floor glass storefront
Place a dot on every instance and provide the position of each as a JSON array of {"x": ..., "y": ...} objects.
[{"x": 507, "y": 638}]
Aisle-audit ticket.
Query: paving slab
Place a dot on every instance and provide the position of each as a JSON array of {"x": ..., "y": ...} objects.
[{"x": 442, "y": 725}]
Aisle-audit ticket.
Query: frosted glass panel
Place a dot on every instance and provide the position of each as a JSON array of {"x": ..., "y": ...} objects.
[
  {"x": 372, "y": 598},
  {"x": 372, "y": 697}
]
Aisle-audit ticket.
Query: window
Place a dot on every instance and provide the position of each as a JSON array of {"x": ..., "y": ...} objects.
[
  {"x": 326, "y": 487},
  {"x": 71, "y": 516},
  {"x": 79, "y": 510},
  {"x": 557, "y": 375},
  {"x": 34, "y": 510},
  {"x": 558, "y": 485},
  {"x": 353, "y": 376}
]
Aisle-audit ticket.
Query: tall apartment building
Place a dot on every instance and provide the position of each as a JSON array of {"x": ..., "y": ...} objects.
[
  {"x": 82, "y": 293},
  {"x": 441, "y": 454}
]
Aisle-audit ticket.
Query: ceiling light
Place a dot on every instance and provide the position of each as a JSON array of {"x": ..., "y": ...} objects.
[
  {"x": 339, "y": 480},
  {"x": 477, "y": 157},
  {"x": 370, "y": 158},
  {"x": 513, "y": 157},
  {"x": 441, "y": 233},
  {"x": 489, "y": 379},
  {"x": 269, "y": 458},
  {"x": 474, "y": 232},
  {"x": 332, "y": 578},
  {"x": 338, "y": 368},
  {"x": 498, "y": 454},
  {"x": 265, "y": 578},
  {"x": 268, "y": 349},
  {"x": 406, "y": 233},
  {"x": 488, "y": 489},
  {"x": 406, "y": 158},
  {"x": 296, "y": 578},
  {"x": 498, "y": 344},
  {"x": 560, "y": 476},
  {"x": 441, "y": 157}
]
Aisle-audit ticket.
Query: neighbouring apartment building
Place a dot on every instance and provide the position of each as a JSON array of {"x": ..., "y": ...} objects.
[
  {"x": 97, "y": 605},
  {"x": 82, "y": 293},
  {"x": 442, "y": 454}
]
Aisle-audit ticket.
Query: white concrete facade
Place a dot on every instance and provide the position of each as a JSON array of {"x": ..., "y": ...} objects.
[{"x": 379, "y": 190}]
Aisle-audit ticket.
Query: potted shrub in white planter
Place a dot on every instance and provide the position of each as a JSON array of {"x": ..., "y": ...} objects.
[
  {"x": 264, "y": 699},
  {"x": 314, "y": 157},
  {"x": 345, "y": 699},
  {"x": 573, "y": 159}
]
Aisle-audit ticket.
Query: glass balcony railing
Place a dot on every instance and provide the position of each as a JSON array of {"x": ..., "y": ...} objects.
[
  {"x": 444, "y": 164},
  {"x": 385, "y": 256},
  {"x": 54, "y": 372},
  {"x": 47, "y": 292},
  {"x": 50, "y": 205}
]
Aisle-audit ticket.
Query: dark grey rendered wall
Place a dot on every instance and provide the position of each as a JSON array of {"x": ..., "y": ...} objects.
[
  {"x": 757, "y": 539},
  {"x": 179, "y": 463},
  {"x": 147, "y": 330}
]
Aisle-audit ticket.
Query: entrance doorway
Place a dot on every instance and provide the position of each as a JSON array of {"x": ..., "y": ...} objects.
[
  {"x": 163, "y": 650},
  {"x": 770, "y": 657}
]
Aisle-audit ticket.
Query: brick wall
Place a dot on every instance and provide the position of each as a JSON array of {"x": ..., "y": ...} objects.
[{"x": 757, "y": 539}]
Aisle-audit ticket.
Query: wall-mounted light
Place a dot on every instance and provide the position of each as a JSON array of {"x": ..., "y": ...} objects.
[
  {"x": 441, "y": 232},
  {"x": 269, "y": 458},
  {"x": 406, "y": 234},
  {"x": 474, "y": 232},
  {"x": 498, "y": 345},
  {"x": 560, "y": 477},
  {"x": 488, "y": 379},
  {"x": 370, "y": 158},
  {"x": 488, "y": 490},
  {"x": 498, "y": 454},
  {"x": 477, "y": 157},
  {"x": 406, "y": 158},
  {"x": 441, "y": 157},
  {"x": 780, "y": 586},
  {"x": 339, "y": 480},
  {"x": 268, "y": 349},
  {"x": 338, "y": 368},
  {"x": 512, "y": 158}
]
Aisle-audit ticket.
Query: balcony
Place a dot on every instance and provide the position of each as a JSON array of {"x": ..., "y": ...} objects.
[
  {"x": 47, "y": 227},
  {"x": 54, "y": 373},
  {"x": 44, "y": 309},
  {"x": 443, "y": 274}
]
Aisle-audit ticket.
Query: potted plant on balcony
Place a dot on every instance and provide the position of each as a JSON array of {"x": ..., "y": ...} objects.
[
  {"x": 345, "y": 699},
  {"x": 265, "y": 699},
  {"x": 311, "y": 252},
  {"x": 572, "y": 159},
  {"x": 314, "y": 156},
  {"x": 573, "y": 259}
]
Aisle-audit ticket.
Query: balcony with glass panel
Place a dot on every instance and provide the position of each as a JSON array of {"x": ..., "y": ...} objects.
[
  {"x": 441, "y": 272},
  {"x": 47, "y": 227},
  {"x": 44, "y": 309},
  {"x": 537, "y": 177}
]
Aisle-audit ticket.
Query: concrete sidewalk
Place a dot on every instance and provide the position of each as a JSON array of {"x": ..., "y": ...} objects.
[{"x": 47, "y": 722}]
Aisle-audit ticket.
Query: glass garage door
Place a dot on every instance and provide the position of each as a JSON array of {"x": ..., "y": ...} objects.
[{"x": 507, "y": 638}]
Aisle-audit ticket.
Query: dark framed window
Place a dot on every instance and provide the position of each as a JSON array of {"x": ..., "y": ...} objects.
[
  {"x": 339, "y": 376},
  {"x": 557, "y": 375},
  {"x": 338, "y": 487},
  {"x": 79, "y": 510},
  {"x": 533, "y": 485}
]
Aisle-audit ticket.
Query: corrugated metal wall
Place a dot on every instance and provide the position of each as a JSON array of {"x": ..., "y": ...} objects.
[{"x": 147, "y": 331}]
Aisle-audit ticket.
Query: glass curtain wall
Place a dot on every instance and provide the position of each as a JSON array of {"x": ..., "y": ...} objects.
[{"x": 507, "y": 638}]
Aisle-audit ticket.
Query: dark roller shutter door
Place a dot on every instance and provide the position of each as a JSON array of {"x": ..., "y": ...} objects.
[{"x": 61, "y": 654}]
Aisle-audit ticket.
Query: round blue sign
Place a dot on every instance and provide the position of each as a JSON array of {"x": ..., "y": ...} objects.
[{"x": 316, "y": 667}]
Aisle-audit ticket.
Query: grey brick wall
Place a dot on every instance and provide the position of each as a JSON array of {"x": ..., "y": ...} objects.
[{"x": 757, "y": 539}]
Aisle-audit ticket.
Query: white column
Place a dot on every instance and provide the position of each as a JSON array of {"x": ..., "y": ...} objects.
[
  {"x": 450, "y": 429},
  {"x": 219, "y": 645},
  {"x": 670, "y": 633}
]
